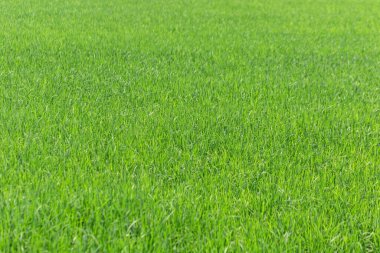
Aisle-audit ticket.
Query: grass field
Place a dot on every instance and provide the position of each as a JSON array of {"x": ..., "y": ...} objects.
[{"x": 189, "y": 126}]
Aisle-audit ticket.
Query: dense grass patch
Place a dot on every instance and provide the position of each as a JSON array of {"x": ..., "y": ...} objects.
[{"x": 189, "y": 126}]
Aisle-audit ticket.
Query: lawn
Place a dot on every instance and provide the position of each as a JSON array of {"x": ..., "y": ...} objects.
[{"x": 189, "y": 126}]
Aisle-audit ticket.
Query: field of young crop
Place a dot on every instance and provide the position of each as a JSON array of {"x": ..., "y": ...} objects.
[{"x": 189, "y": 126}]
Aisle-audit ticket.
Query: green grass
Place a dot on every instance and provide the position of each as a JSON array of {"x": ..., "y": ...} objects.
[{"x": 190, "y": 126}]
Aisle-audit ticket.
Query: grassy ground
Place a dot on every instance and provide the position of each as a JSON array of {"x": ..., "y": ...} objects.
[{"x": 190, "y": 126}]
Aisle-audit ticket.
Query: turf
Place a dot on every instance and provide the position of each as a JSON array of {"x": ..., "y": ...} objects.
[{"x": 189, "y": 126}]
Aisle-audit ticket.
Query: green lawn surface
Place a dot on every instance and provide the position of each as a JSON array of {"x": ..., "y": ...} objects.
[{"x": 190, "y": 126}]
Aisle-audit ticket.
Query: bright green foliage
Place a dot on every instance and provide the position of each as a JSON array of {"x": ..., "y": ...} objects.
[{"x": 189, "y": 125}]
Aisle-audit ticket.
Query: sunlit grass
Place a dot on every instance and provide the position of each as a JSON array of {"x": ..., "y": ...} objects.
[{"x": 190, "y": 126}]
